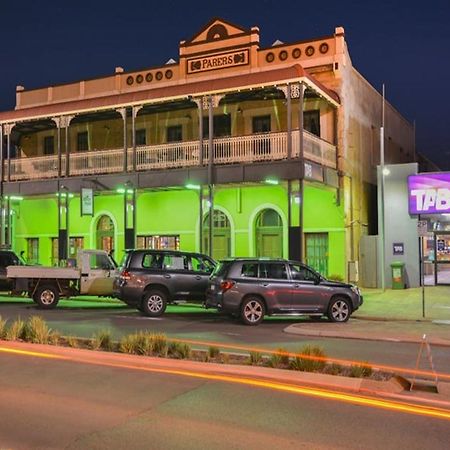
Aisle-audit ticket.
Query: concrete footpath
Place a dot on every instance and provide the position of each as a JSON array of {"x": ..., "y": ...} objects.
[{"x": 392, "y": 316}]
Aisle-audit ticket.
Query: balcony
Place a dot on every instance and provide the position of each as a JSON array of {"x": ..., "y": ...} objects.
[{"x": 227, "y": 150}]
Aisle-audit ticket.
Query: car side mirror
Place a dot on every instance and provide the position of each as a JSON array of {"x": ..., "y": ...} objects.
[{"x": 317, "y": 280}]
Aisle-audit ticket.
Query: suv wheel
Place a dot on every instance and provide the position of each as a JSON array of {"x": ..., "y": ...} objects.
[
  {"x": 252, "y": 311},
  {"x": 154, "y": 303},
  {"x": 339, "y": 310},
  {"x": 47, "y": 297}
]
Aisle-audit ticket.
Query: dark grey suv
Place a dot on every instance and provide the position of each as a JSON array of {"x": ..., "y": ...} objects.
[
  {"x": 251, "y": 288},
  {"x": 150, "y": 279}
]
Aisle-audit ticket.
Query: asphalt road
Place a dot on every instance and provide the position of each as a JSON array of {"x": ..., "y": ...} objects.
[
  {"x": 83, "y": 319},
  {"x": 53, "y": 404}
]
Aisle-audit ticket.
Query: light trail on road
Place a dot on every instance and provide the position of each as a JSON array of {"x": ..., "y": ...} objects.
[
  {"x": 396, "y": 406},
  {"x": 347, "y": 362}
]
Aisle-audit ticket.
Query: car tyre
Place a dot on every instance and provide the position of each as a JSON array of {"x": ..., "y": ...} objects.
[
  {"x": 46, "y": 297},
  {"x": 339, "y": 310},
  {"x": 154, "y": 303},
  {"x": 252, "y": 311}
]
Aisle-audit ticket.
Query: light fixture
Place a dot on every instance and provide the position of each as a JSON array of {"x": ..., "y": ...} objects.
[
  {"x": 195, "y": 187},
  {"x": 272, "y": 181},
  {"x": 386, "y": 171}
]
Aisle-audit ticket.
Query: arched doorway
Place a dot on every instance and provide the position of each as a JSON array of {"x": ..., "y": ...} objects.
[
  {"x": 269, "y": 234},
  {"x": 105, "y": 234},
  {"x": 221, "y": 235}
]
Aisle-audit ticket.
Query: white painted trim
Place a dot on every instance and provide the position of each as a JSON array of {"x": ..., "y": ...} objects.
[{"x": 252, "y": 228}]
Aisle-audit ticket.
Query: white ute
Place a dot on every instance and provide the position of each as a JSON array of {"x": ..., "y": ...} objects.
[{"x": 93, "y": 275}]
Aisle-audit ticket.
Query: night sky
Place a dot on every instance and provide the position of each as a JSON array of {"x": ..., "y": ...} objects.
[{"x": 405, "y": 44}]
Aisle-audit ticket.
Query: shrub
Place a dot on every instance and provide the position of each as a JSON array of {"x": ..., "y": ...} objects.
[
  {"x": 16, "y": 330},
  {"x": 102, "y": 340},
  {"x": 36, "y": 331},
  {"x": 2, "y": 328},
  {"x": 159, "y": 344},
  {"x": 54, "y": 337},
  {"x": 279, "y": 359},
  {"x": 333, "y": 369},
  {"x": 310, "y": 359},
  {"x": 128, "y": 343},
  {"x": 179, "y": 350},
  {"x": 255, "y": 358},
  {"x": 213, "y": 352},
  {"x": 143, "y": 344},
  {"x": 360, "y": 370},
  {"x": 72, "y": 341}
]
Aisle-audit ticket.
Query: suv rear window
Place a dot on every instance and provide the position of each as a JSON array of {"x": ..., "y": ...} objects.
[
  {"x": 222, "y": 268},
  {"x": 249, "y": 270}
]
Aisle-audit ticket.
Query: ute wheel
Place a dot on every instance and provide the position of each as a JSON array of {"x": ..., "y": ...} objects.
[
  {"x": 154, "y": 303},
  {"x": 252, "y": 311},
  {"x": 47, "y": 297},
  {"x": 339, "y": 310}
]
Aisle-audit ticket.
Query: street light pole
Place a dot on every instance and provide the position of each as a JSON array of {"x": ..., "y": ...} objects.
[{"x": 382, "y": 228}]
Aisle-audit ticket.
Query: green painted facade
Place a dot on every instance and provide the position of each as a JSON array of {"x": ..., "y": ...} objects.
[{"x": 176, "y": 212}]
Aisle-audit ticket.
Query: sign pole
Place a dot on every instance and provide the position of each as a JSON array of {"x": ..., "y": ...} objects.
[{"x": 422, "y": 228}]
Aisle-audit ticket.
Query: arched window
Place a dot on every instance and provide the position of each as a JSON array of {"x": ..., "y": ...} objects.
[
  {"x": 221, "y": 235},
  {"x": 269, "y": 234},
  {"x": 105, "y": 234}
]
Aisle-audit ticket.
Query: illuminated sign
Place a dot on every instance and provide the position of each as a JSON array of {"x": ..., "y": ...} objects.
[
  {"x": 429, "y": 193},
  {"x": 218, "y": 61},
  {"x": 87, "y": 202}
]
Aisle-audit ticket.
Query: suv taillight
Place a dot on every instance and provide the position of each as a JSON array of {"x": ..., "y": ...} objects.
[
  {"x": 125, "y": 275},
  {"x": 225, "y": 285}
]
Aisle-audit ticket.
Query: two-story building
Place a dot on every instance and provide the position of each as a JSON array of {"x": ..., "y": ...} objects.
[{"x": 233, "y": 150}]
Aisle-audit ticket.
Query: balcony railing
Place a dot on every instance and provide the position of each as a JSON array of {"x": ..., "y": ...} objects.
[{"x": 227, "y": 150}]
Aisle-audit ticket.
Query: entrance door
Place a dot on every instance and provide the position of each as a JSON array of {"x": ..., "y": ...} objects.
[
  {"x": 269, "y": 234},
  {"x": 317, "y": 252},
  {"x": 442, "y": 260},
  {"x": 221, "y": 235},
  {"x": 105, "y": 234}
]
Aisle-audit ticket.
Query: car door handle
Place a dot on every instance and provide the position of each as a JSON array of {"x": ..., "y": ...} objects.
[
  {"x": 265, "y": 284},
  {"x": 198, "y": 277},
  {"x": 167, "y": 276}
]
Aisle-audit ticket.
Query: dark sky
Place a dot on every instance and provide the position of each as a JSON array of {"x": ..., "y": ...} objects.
[{"x": 405, "y": 44}]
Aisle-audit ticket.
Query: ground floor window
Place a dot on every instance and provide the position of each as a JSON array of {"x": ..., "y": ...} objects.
[
  {"x": 316, "y": 245},
  {"x": 75, "y": 244},
  {"x": 33, "y": 251},
  {"x": 157, "y": 242}
]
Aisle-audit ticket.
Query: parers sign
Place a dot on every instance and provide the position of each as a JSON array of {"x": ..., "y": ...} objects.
[{"x": 429, "y": 193}]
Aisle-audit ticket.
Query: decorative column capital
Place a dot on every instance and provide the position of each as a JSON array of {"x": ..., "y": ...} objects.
[
  {"x": 7, "y": 128},
  {"x": 204, "y": 101},
  {"x": 122, "y": 112},
  {"x": 62, "y": 121},
  {"x": 134, "y": 110}
]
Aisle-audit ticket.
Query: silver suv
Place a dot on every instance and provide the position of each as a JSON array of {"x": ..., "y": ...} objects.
[{"x": 253, "y": 287}]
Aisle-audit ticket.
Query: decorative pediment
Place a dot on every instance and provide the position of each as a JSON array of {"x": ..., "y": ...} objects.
[{"x": 218, "y": 29}]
